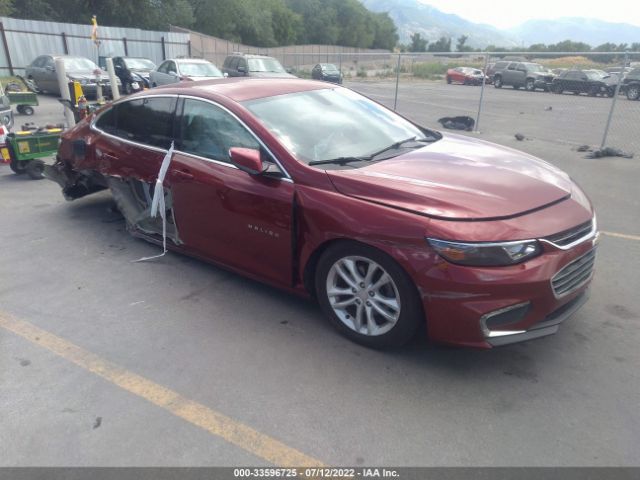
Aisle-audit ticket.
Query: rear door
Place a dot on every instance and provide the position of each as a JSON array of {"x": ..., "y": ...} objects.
[
  {"x": 136, "y": 138},
  {"x": 222, "y": 213}
]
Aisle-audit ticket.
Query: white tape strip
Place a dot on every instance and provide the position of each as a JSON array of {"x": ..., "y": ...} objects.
[{"x": 157, "y": 203}]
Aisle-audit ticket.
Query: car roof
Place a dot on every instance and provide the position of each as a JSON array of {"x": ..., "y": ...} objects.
[
  {"x": 189, "y": 60},
  {"x": 241, "y": 89}
]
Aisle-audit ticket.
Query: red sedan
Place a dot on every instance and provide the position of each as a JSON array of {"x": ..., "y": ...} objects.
[
  {"x": 318, "y": 190},
  {"x": 465, "y": 75}
]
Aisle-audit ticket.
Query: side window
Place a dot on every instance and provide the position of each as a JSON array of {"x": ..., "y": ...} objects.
[
  {"x": 171, "y": 67},
  {"x": 233, "y": 65},
  {"x": 163, "y": 68},
  {"x": 512, "y": 66},
  {"x": 49, "y": 62},
  {"x": 209, "y": 131},
  {"x": 107, "y": 121},
  {"x": 146, "y": 120},
  {"x": 39, "y": 62}
]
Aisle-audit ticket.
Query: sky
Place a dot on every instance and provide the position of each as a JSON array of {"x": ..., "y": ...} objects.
[{"x": 509, "y": 13}]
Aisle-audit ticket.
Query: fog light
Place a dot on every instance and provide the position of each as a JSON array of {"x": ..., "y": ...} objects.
[{"x": 502, "y": 318}]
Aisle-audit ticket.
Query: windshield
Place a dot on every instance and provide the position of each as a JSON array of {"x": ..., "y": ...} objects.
[
  {"x": 199, "y": 69},
  {"x": 325, "y": 124},
  {"x": 139, "y": 64},
  {"x": 265, "y": 65},
  {"x": 328, "y": 67},
  {"x": 77, "y": 64},
  {"x": 534, "y": 67},
  {"x": 593, "y": 75}
]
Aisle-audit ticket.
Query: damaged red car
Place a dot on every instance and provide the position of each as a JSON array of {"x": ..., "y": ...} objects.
[{"x": 318, "y": 190}]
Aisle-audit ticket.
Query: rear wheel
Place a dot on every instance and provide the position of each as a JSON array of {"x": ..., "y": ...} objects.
[
  {"x": 448, "y": 79},
  {"x": 497, "y": 82},
  {"x": 367, "y": 296},
  {"x": 633, "y": 92},
  {"x": 18, "y": 166},
  {"x": 35, "y": 169}
]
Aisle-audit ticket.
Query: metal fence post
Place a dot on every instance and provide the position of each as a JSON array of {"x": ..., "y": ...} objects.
[
  {"x": 65, "y": 45},
  {"x": 6, "y": 49},
  {"x": 484, "y": 78},
  {"x": 126, "y": 47},
  {"x": 164, "y": 51},
  {"x": 395, "y": 98},
  {"x": 615, "y": 99}
]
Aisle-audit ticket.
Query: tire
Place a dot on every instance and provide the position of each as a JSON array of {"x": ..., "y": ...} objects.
[
  {"x": 633, "y": 91},
  {"x": 25, "y": 110},
  {"x": 127, "y": 89},
  {"x": 385, "y": 316},
  {"x": 530, "y": 85},
  {"x": 593, "y": 91},
  {"x": 18, "y": 166},
  {"x": 557, "y": 89},
  {"x": 497, "y": 82},
  {"x": 448, "y": 79},
  {"x": 35, "y": 169}
]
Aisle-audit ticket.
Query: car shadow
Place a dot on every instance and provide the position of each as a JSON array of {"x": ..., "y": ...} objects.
[{"x": 519, "y": 361}]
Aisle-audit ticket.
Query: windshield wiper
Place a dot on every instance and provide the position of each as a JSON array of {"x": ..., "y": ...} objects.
[
  {"x": 339, "y": 160},
  {"x": 395, "y": 146},
  {"x": 368, "y": 158}
]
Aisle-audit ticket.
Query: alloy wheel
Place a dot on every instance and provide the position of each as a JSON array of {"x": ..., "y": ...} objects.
[{"x": 363, "y": 295}]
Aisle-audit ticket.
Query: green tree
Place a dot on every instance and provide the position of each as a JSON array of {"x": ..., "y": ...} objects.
[
  {"x": 418, "y": 44},
  {"x": 386, "y": 33},
  {"x": 442, "y": 45},
  {"x": 461, "y": 44}
]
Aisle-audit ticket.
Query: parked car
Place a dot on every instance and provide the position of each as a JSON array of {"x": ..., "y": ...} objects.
[
  {"x": 327, "y": 72},
  {"x": 133, "y": 72},
  {"x": 318, "y": 190},
  {"x": 183, "y": 69},
  {"x": 42, "y": 72},
  {"x": 492, "y": 68},
  {"x": 631, "y": 84},
  {"x": 531, "y": 76},
  {"x": 246, "y": 65},
  {"x": 465, "y": 75},
  {"x": 582, "y": 81}
]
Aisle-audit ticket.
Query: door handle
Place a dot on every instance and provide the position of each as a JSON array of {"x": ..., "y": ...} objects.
[{"x": 183, "y": 173}]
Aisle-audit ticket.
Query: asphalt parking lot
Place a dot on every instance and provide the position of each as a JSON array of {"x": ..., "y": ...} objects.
[
  {"x": 107, "y": 362},
  {"x": 562, "y": 119}
]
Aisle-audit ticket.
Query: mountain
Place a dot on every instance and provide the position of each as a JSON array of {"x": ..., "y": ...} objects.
[
  {"x": 412, "y": 16},
  {"x": 587, "y": 30}
]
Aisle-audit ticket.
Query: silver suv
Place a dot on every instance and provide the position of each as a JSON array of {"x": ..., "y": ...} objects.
[
  {"x": 247, "y": 65},
  {"x": 531, "y": 76}
]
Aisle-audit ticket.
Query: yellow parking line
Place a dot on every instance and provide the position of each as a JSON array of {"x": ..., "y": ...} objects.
[
  {"x": 195, "y": 413},
  {"x": 621, "y": 235}
]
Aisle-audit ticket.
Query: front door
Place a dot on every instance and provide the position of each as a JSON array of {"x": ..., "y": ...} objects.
[{"x": 221, "y": 212}]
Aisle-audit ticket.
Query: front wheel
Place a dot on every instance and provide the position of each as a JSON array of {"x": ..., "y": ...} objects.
[
  {"x": 448, "y": 79},
  {"x": 367, "y": 296},
  {"x": 530, "y": 85},
  {"x": 633, "y": 92}
]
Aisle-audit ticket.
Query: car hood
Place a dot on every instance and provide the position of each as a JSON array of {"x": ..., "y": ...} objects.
[
  {"x": 85, "y": 76},
  {"x": 458, "y": 178}
]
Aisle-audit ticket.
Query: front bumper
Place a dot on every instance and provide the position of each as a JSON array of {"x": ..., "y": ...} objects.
[{"x": 458, "y": 300}]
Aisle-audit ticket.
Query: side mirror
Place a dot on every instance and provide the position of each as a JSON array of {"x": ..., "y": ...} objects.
[
  {"x": 247, "y": 159},
  {"x": 225, "y": 74}
]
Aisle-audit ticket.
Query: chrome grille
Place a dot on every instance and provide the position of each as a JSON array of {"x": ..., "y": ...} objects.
[
  {"x": 567, "y": 237},
  {"x": 574, "y": 275}
]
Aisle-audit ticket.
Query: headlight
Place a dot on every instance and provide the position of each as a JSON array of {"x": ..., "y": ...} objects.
[{"x": 486, "y": 254}]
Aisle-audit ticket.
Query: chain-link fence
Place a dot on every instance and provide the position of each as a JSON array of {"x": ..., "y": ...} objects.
[{"x": 574, "y": 98}]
